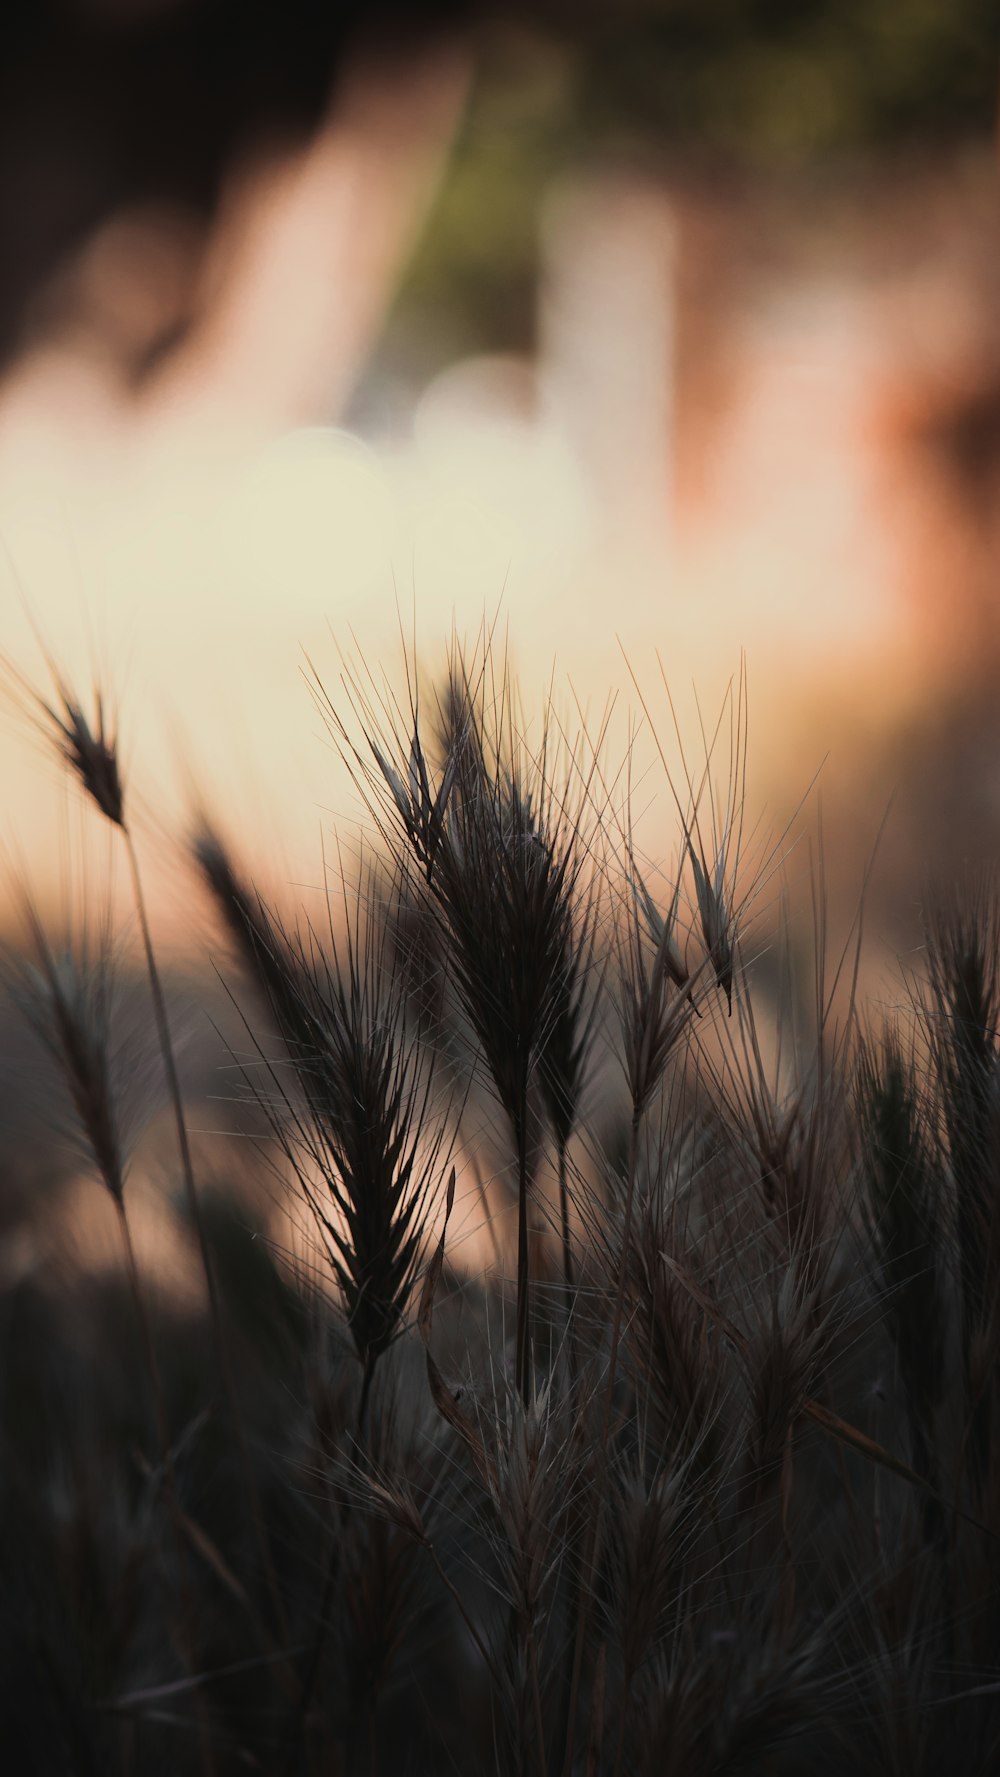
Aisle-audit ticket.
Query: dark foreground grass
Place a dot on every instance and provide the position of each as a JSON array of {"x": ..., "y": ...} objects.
[{"x": 695, "y": 1469}]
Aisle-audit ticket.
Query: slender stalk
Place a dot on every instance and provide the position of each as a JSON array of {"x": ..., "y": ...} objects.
[
  {"x": 194, "y": 1209},
  {"x": 564, "y": 1223},
  {"x": 372, "y": 1741},
  {"x": 597, "y": 1521},
  {"x": 366, "y": 1383},
  {"x": 470, "y": 1624},
  {"x": 146, "y": 1335},
  {"x": 176, "y": 1099},
  {"x": 616, "y": 1325},
  {"x": 169, "y": 1480},
  {"x": 297, "y": 1735},
  {"x": 522, "y": 1365},
  {"x": 536, "y": 1697},
  {"x": 568, "y": 1274},
  {"x": 622, "y": 1718}
]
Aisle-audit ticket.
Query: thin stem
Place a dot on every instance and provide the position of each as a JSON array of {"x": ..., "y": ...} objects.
[
  {"x": 536, "y": 1697},
  {"x": 169, "y": 1481},
  {"x": 568, "y": 1281},
  {"x": 366, "y": 1383},
  {"x": 298, "y": 1730},
  {"x": 564, "y": 1219},
  {"x": 326, "y": 1601},
  {"x": 146, "y": 1334},
  {"x": 622, "y": 1718},
  {"x": 537, "y": 1701},
  {"x": 483, "y": 1649},
  {"x": 597, "y": 1522},
  {"x": 616, "y": 1325},
  {"x": 522, "y": 1367},
  {"x": 174, "y": 1087},
  {"x": 194, "y": 1209}
]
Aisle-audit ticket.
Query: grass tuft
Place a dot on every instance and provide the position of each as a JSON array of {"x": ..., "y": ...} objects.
[{"x": 709, "y": 1483}]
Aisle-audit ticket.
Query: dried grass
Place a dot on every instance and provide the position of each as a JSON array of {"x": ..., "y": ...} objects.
[{"x": 727, "y": 1500}]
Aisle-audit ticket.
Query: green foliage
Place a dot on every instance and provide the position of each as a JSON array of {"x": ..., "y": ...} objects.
[{"x": 746, "y": 86}]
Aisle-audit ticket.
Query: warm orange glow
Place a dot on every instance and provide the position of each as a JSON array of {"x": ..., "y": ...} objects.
[{"x": 626, "y": 487}]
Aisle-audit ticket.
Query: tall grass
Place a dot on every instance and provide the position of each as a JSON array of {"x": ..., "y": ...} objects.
[{"x": 696, "y": 1469}]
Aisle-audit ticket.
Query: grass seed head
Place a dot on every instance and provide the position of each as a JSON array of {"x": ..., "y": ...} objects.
[
  {"x": 90, "y": 749},
  {"x": 717, "y": 919},
  {"x": 358, "y": 1124}
]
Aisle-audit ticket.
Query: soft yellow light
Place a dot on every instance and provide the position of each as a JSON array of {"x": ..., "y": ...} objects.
[{"x": 310, "y": 523}]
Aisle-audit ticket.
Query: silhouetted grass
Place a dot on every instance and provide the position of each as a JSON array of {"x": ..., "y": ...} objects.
[{"x": 723, "y": 1497}]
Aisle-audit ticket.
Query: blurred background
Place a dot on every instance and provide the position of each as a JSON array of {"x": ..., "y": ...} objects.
[
  {"x": 659, "y": 326},
  {"x": 661, "y": 335}
]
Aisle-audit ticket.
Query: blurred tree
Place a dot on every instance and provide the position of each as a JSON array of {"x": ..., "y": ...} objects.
[
  {"x": 106, "y": 104},
  {"x": 765, "y": 80},
  {"x": 768, "y": 87}
]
